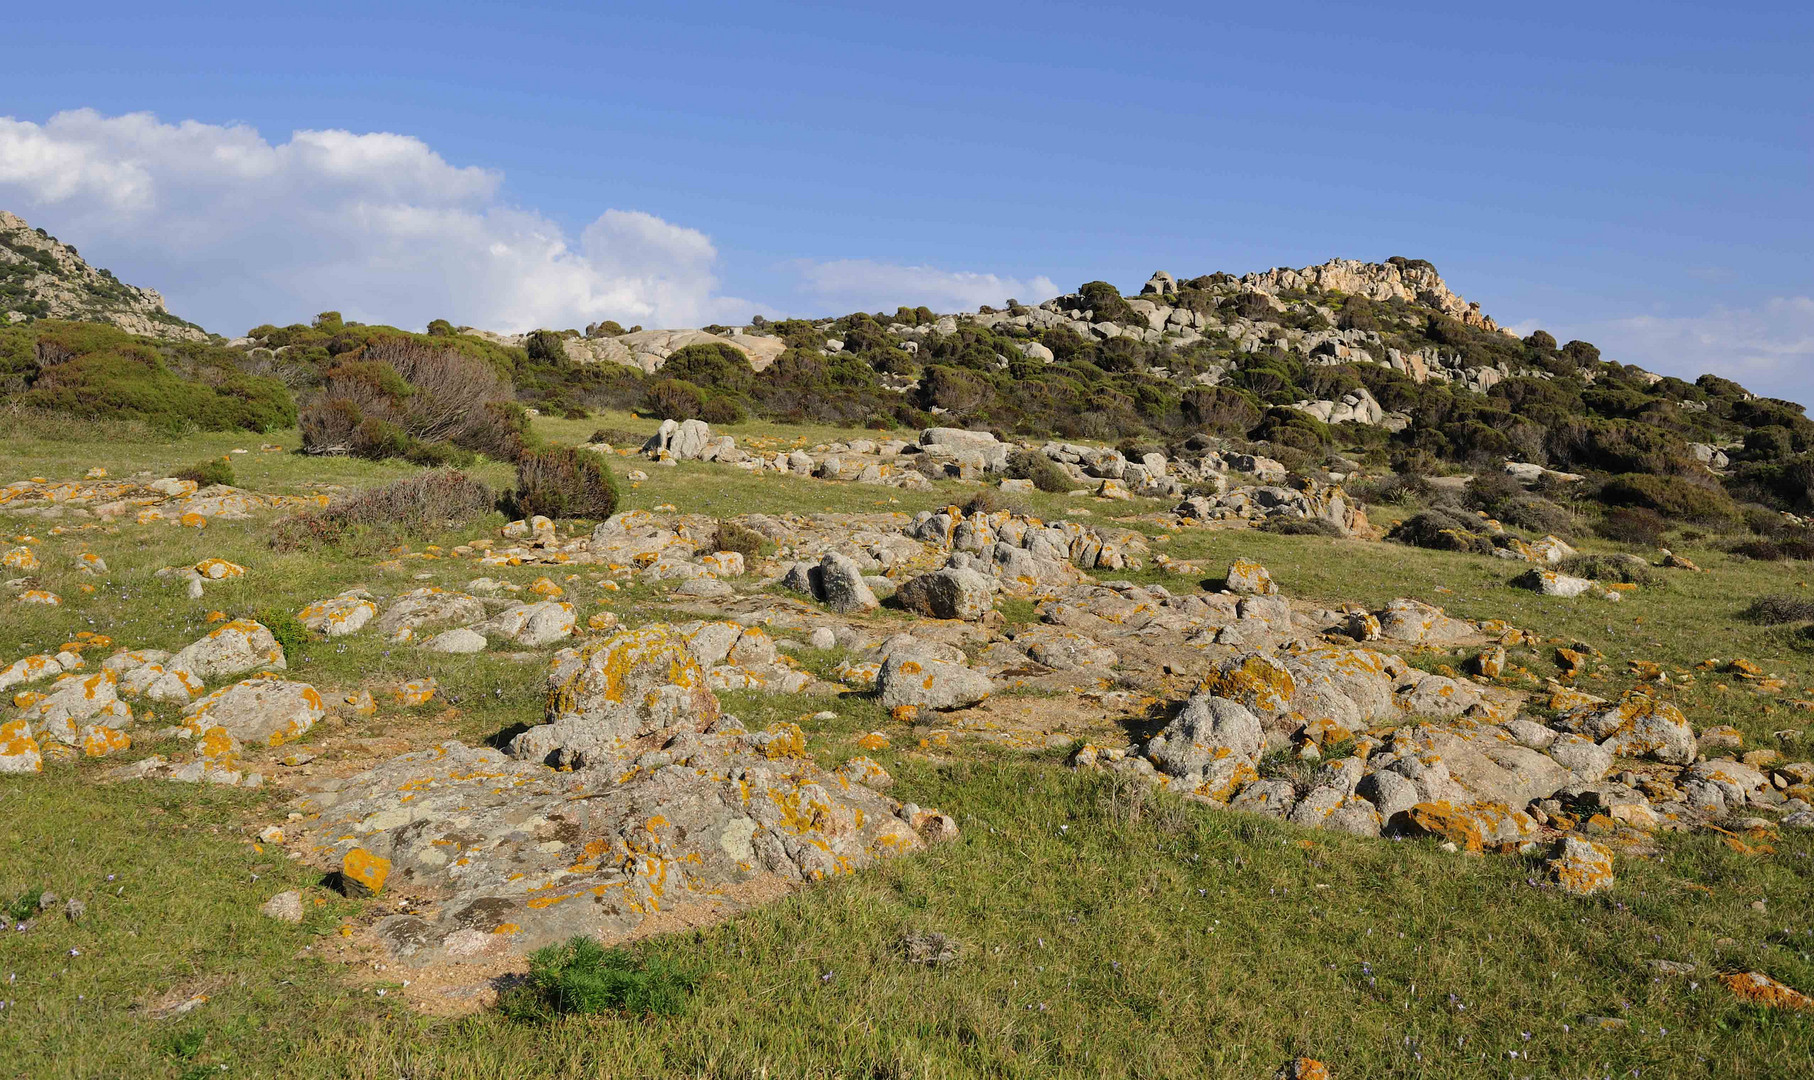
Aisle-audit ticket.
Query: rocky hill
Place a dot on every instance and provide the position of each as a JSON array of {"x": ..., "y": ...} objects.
[{"x": 43, "y": 278}]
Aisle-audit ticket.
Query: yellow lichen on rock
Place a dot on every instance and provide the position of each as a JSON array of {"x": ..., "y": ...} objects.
[{"x": 364, "y": 871}]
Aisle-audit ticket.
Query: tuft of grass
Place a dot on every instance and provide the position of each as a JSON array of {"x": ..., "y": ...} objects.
[
  {"x": 287, "y": 629},
  {"x": 742, "y": 539},
  {"x": 584, "y": 978}
]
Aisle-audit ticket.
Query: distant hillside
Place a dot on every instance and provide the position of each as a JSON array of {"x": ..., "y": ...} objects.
[{"x": 43, "y": 278}]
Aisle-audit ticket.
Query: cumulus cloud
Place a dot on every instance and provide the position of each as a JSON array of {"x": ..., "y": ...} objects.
[
  {"x": 867, "y": 285},
  {"x": 1769, "y": 348},
  {"x": 237, "y": 230}
]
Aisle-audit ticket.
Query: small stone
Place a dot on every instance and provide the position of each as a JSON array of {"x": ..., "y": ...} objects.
[{"x": 285, "y": 907}]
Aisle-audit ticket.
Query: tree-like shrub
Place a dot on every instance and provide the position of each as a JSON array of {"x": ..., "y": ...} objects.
[
  {"x": 401, "y": 394},
  {"x": 563, "y": 482}
]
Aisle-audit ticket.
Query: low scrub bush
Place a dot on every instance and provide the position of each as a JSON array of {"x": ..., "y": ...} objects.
[
  {"x": 416, "y": 507},
  {"x": 1625, "y": 569},
  {"x": 1674, "y": 497},
  {"x": 617, "y": 437},
  {"x": 563, "y": 482},
  {"x": 584, "y": 978},
  {"x": 287, "y": 629},
  {"x": 1538, "y": 515},
  {"x": 401, "y": 397},
  {"x": 1442, "y": 529},
  {"x": 673, "y": 399},
  {"x": 1042, "y": 470},
  {"x": 742, "y": 539},
  {"x": 1295, "y": 526},
  {"x": 1633, "y": 525},
  {"x": 211, "y": 471},
  {"x": 1397, "y": 489},
  {"x": 1777, "y": 609},
  {"x": 989, "y": 500}
]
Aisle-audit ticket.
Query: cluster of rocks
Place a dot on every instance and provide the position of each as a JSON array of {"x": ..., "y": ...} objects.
[
  {"x": 87, "y": 712},
  {"x": 639, "y": 796},
  {"x": 1317, "y": 733},
  {"x": 146, "y": 500}
]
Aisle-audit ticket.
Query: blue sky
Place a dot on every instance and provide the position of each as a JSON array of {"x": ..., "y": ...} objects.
[{"x": 1634, "y": 174}]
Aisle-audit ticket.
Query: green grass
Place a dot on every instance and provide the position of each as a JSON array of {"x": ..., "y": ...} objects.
[{"x": 1104, "y": 934}]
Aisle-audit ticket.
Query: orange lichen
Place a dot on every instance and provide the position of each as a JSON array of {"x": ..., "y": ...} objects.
[
  {"x": 1760, "y": 989},
  {"x": 365, "y": 869}
]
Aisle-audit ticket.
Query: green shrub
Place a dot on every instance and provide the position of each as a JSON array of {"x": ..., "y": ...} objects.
[
  {"x": 395, "y": 395},
  {"x": 742, "y": 539},
  {"x": 615, "y": 437},
  {"x": 722, "y": 410},
  {"x": 1442, "y": 529},
  {"x": 711, "y": 365},
  {"x": 1042, "y": 470},
  {"x": 289, "y": 632},
  {"x": 1633, "y": 525},
  {"x": 1282, "y": 525},
  {"x": 211, "y": 471},
  {"x": 1674, "y": 497},
  {"x": 990, "y": 500},
  {"x": 1628, "y": 569},
  {"x": 415, "y": 507},
  {"x": 563, "y": 482},
  {"x": 673, "y": 399},
  {"x": 584, "y": 978}
]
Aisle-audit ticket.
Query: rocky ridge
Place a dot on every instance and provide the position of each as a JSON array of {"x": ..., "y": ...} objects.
[{"x": 44, "y": 278}]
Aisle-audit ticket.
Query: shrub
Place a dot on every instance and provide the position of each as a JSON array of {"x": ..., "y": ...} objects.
[
  {"x": 1282, "y": 525},
  {"x": 1538, "y": 515},
  {"x": 417, "y": 506},
  {"x": 1674, "y": 497},
  {"x": 402, "y": 391},
  {"x": 1628, "y": 569},
  {"x": 722, "y": 410},
  {"x": 211, "y": 471},
  {"x": 713, "y": 365},
  {"x": 1633, "y": 525},
  {"x": 1776, "y": 609},
  {"x": 615, "y": 437},
  {"x": 673, "y": 399},
  {"x": 583, "y": 977},
  {"x": 289, "y": 632},
  {"x": 1760, "y": 550},
  {"x": 1396, "y": 488},
  {"x": 1042, "y": 470},
  {"x": 562, "y": 482},
  {"x": 1443, "y": 530},
  {"x": 990, "y": 500},
  {"x": 742, "y": 539}
]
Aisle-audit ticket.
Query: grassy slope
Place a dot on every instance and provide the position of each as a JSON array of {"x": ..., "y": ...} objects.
[{"x": 1100, "y": 941}]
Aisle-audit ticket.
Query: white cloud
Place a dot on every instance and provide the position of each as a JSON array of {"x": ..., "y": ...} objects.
[
  {"x": 1768, "y": 348},
  {"x": 236, "y": 230},
  {"x": 866, "y": 285}
]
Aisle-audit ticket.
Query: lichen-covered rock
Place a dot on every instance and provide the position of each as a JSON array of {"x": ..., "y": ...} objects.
[
  {"x": 518, "y": 855},
  {"x": 340, "y": 615},
  {"x": 840, "y": 584},
  {"x": 1420, "y": 623},
  {"x": 1581, "y": 867},
  {"x": 1551, "y": 583},
  {"x": 233, "y": 648},
  {"x": 19, "y": 752},
  {"x": 261, "y": 711},
  {"x": 916, "y": 680},
  {"x": 950, "y": 593},
  {"x": 531, "y": 625},
  {"x": 1639, "y": 726},
  {"x": 1249, "y": 578},
  {"x": 459, "y": 640},
  {"x": 1206, "y": 731},
  {"x": 1759, "y": 989},
  {"x": 428, "y": 606},
  {"x": 629, "y": 685}
]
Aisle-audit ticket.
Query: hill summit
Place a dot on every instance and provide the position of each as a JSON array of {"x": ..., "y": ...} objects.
[{"x": 43, "y": 278}]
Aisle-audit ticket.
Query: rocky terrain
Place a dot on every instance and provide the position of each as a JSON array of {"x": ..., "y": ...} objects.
[{"x": 43, "y": 278}]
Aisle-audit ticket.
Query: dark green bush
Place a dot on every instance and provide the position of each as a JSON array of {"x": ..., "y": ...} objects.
[
  {"x": 1628, "y": 569},
  {"x": 673, "y": 399},
  {"x": 584, "y": 978},
  {"x": 287, "y": 629},
  {"x": 615, "y": 437},
  {"x": 722, "y": 410},
  {"x": 210, "y": 471},
  {"x": 1282, "y": 525},
  {"x": 563, "y": 482},
  {"x": 711, "y": 365},
  {"x": 1776, "y": 609}
]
